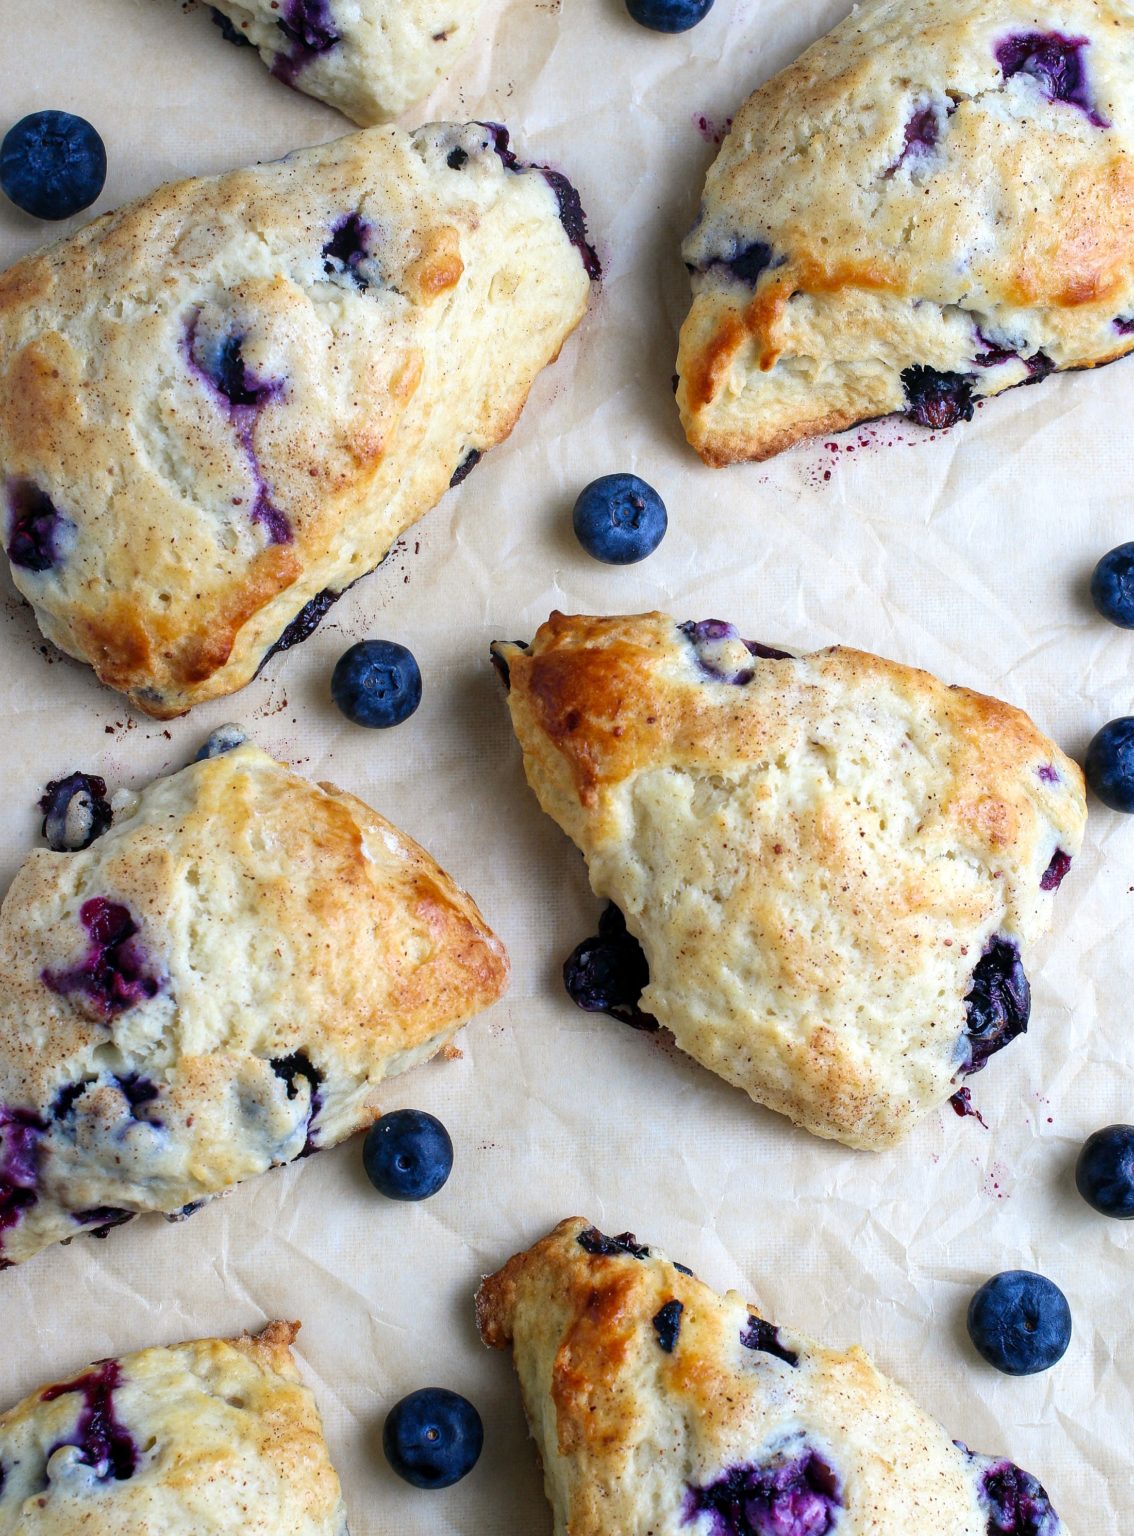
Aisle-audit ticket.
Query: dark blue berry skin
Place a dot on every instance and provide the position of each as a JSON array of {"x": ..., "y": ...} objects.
[
  {"x": 1104, "y": 1174},
  {"x": 433, "y": 1437},
  {"x": 377, "y": 683},
  {"x": 1112, "y": 586},
  {"x": 407, "y": 1155},
  {"x": 52, "y": 164},
  {"x": 669, "y": 15},
  {"x": 1020, "y": 1322},
  {"x": 619, "y": 519},
  {"x": 1109, "y": 764}
]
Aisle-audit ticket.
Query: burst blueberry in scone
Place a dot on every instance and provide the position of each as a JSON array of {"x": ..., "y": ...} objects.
[
  {"x": 661, "y": 1408},
  {"x": 369, "y": 58},
  {"x": 933, "y": 204},
  {"x": 220, "y": 405},
  {"x": 832, "y": 863},
  {"x": 201, "y": 1439},
  {"x": 215, "y": 986}
]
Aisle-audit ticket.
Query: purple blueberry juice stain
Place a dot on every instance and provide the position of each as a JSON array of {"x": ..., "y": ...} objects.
[
  {"x": 571, "y": 214},
  {"x": 789, "y": 1495},
  {"x": 465, "y": 468},
  {"x": 309, "y": 28},
  {"x": 220, "y": 364},
  {"x": 997, "y": 1005},
  {"x": 347, "y": 249},
  {"x": 1048, "y": 773},
  {"x": 289, "y": 1069},
  {"x": 625, "y": 1245},
  {"x": 765, "y": 1337},
  {"x": 1124, "y": 325},
  {"x": 608, "y": 973},
  {"x": 923, "y": 131},
  {"x": 707, "y": 636},
  {"x": 1057, "y": 65},
  {"x": 1053, "y": 876},
  {"x": 36, "y": 527},
  {"x": 962, "y": 1104},
  {"x": 104, "y": 1444},
  {"x": 935, "y": 399},
  {"x": 20, "y": 1132},
  {"x": 667, "y": 1325},
  {"x": 113, "y": 975}
]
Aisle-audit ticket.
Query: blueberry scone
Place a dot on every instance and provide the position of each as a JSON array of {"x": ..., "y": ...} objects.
[
  {"x": 210, "y": 1438},
  {"x": 661, "y": 1408},
  {"x": 369, "y": 58},
  {"x": 214, "y": 986},
  {"x": 824, "y": 868},
  {"x": 220, "y": 405},
  {"x": 933, "y": 204}
]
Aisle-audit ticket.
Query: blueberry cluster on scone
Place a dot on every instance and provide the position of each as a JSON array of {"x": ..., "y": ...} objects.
[
  {"x": 220, "y": 405},
  {"x": 369, "y": 58},
  {"x": 214, "y": 986},
  {"x": 833, "y": 864},
  {"x": 661, "y": 1408},
  {"x": 933, "y": 204},
  {"x": 198, "y": 1439}
]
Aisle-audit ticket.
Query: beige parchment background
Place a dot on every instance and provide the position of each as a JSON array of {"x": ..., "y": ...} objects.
[{"x": 966, "y": 553}]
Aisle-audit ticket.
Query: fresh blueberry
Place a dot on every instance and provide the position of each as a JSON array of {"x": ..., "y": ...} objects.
[
  {"x": 1104, "y": 1174},
  {"x": 75, "y": 812},
  {"x": 226, "y": 738},
  {"x": 1109, "y": 764},
  {"x": 619, "y": 519},
  {"x": 1020, "y": 1322},
  {"x": 433, "y": 1437},
  {"x": 376, "y": 683},
  {"x": 669, "y": 15},
  {"x": 52, "y": 164},
  {"x": 1112, "y": 586},
  {"x": 407, "y": 1154}
]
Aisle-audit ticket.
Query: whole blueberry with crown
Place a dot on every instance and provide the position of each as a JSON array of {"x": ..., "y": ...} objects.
[
  {"x": 1020, "y": 1322},
  {"x": 433, "y": 1437},
  {"x": 52, "y": 164},
  {"x": 407, "y": 1154},
  {"x": 1104, "y": 1173},
  {"x": 377, "y": 683},
  {"x": 1109, "y": 764},
  {"x": 619, "y": 519},
  {"x": 1112, "y": 586},
  {"x": 669, "y": 15}
]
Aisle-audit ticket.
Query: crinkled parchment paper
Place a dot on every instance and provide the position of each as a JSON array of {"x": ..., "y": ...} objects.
[{"x": 967, "y": 553}]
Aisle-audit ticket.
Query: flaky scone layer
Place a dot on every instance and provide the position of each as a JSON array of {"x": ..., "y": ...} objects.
[
  {"x": 220, "y": 405},
  {"x": 821, "y": 856},
  {"x": 660, "y": 1408},
  {"x": 369, "y": 58},
  {"x": 931, "y": 205},
  {"x": 200, "y": 1439},
  {"x": 213, "y": 987}
]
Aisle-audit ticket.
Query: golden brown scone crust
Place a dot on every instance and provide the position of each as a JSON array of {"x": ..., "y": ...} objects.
[
  {"x": 202, "y": 1439},
  {"x": 814, "y": 860},
  {"x": 372, "y": 58},
  {"x": 921, "y": 201},
  {"x": 629, "y": 1431},
  {"x": 224, "y": 402},
  {"x": 291, "y": 949}
]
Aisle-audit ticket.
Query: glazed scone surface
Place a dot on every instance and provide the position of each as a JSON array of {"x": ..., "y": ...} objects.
[
  {"x": 207, "y": 1438},
  {"x": 933, "y": 204},
  {"x": 220, "y": 405},
  {"x": 369, "y": 58},
  {"x": 824, "y": 857},
  {"x": 661, "y": 1408},
  {"x": 213, "y": 987}
]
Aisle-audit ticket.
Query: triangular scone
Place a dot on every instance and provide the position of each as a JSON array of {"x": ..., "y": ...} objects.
[
  {"x": 215, "y": 986},
  {"x": 201, "y": 1439},
  {"x": 221, "y": 405},
  {"x": 663, "y": 1409},
  {"x": 934, "y": 203},
  {"x": 369, "y": 58},
  {"x": 832, "y": 862}
]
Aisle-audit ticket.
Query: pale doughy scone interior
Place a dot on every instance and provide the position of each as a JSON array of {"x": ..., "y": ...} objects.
[
  {"x": 933, "y": 204},
  {"x": 660, "y": 1408},
  {"x": 201, "y": 1439},
  {"x": 833, "y": 863},
  {"x": 216, "y": 986}
]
